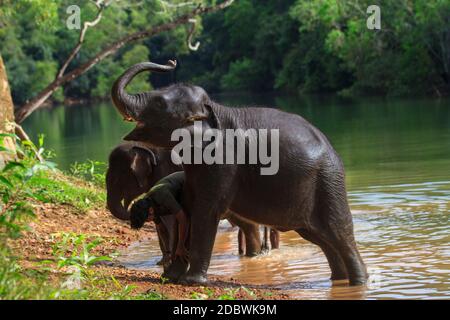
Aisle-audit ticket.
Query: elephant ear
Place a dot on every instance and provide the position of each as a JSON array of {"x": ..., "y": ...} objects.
[
  {"x": 142, "y": 165},
  {"x": 213, "y": 121},
  {"x": 150, "y": 153}
]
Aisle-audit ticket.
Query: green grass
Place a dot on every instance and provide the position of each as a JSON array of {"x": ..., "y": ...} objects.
[
  {"x": 70, "y": 274},
  {"x": 54, "y": 187}
]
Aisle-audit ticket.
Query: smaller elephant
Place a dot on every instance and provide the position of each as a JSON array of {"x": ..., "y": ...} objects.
[
  {"x": 269, "y": 234},
  {"x": 134, "y": 168}
]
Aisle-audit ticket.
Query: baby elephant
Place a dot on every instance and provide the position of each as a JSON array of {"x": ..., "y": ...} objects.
[{"x": 134, "y": 168}]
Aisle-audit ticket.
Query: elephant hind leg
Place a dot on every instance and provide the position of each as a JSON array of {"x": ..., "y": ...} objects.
[
  {"x": 274, "y": 238},
  {"x": 265, "y": 244},
  {"x": 337, "y": 266},
  {"x": 346, "y": 246},
  {"x": 334, "y": 225},
  {"x": 241, "y": 239}
]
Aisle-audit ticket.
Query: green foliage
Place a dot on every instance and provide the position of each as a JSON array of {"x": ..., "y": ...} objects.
[
  {"x": 90, "y": 170},
  {"x": 294, "y": 45},
  {"x": 325, "y": 46},
  {"x": 50, "y": 188},
  {"x": 35, "y": 41},
  {"x": 73, "y": 254},
  {"x": 240, "y": 75},
  {"x": 15, "y": 213},
  {"x": 230, "y": 294},
  {"x": 74, "y": 257}
]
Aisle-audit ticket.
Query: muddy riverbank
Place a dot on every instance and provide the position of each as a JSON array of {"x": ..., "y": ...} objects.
[{"x": 53, "y": 219}]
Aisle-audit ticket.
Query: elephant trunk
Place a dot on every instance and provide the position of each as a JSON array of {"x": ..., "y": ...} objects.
[
  {"x": 130, "y": 105},
  {"x": 117, "y": 208},
  {"x": 114, "y": 199}
]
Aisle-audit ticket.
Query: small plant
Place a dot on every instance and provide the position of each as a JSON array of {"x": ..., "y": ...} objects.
[
  {"x": 229, "y": 295},
  {"x": 164, "y": 280},
  {"x": 73, "y": 255},
  {"x": 93, "y": 171},
  {"x": 15, "y": 176},
  {"x": 249, "y": 292},
  {"x": 75, "y": 250},
  {"x": 232, "y": 293},
  {"x": 206, "y": 294},
  {"x": 15, "y": 213}
]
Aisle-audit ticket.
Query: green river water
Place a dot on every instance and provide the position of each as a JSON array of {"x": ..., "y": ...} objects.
[{"x": 397, "y": 159}]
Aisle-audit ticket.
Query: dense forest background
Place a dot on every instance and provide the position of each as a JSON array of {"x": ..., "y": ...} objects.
[{"x": 255, "y": 45}]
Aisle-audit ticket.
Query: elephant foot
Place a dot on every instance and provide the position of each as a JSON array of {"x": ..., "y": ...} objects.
[
  {"x": 253, "y": 254},
  {"x": 338, "y": 276},
  {"x": 358, "y": 281},
  {"x": 174, "y": 272},
  {"x": 193, "y": 279},
  {"x": 165, "y": 261},
  {"x": 265, "y": 247}
]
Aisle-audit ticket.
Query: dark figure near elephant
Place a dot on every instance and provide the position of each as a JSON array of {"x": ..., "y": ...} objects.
[
  {"x": 307, "y": 194},
  {"x": 134, "y": 168}
]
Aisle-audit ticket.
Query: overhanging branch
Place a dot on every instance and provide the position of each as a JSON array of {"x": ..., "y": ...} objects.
[{"x": 23, "y": 112}]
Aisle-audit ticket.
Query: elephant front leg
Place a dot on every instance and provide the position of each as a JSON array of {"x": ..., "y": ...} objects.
[
  {"x": 207, "y": 195},
  {"x": 205, "y": 217},
  {"x": 204, "y": 225}
]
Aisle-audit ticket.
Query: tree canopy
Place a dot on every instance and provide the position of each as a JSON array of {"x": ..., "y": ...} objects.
[
  {"x": 325, "y": 46},
  {"x": 257, "y": 45}
]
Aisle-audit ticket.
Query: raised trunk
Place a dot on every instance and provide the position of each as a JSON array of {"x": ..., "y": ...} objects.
[{"x": 130, "y": 105}]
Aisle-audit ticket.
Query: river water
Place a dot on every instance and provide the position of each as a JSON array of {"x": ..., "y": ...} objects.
[{"x": 397, "y": 159}]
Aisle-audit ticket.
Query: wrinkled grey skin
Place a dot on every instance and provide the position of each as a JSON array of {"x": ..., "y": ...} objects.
[
  {"x": 134, "y": 168},
  {"x": 307, "y": 194}
]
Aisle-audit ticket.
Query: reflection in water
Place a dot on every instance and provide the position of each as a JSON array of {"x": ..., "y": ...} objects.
[
  {"x": 397, "y": 159},
  {"x": 381, "y": 142},
  {"x": 402, "y": 232}
]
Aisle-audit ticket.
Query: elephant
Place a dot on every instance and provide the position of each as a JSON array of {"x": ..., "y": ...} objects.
[
  {"x": 307, "y": 194},
  {"x": 134, "y": 168}
]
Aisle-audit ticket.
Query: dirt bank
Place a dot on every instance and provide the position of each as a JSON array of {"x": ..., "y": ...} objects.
[{"x": 36, "y": 245}]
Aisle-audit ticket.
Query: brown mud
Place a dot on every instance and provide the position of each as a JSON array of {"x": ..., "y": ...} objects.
[{"x": 51, "y": 219}]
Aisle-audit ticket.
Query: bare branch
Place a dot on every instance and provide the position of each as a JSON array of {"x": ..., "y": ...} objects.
[
  {"x": 191, "y": 34},
  {"x": 37, "y": 101},
  {"x": 88, "y": 24},
  {"x": 177, "y": 5},
  {"x": 24, "y": 137}
]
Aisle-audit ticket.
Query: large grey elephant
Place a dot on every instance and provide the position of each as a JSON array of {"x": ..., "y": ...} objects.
[
  {"x": 307, "y": 194},
  {"x": 134, "y": 168}
]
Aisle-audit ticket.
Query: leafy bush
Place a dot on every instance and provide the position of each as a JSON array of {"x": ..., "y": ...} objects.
[
  {"x": 15, "y": 213},
  {"x": 73, "y": 257},
  {"x": 90, "y": 170}
]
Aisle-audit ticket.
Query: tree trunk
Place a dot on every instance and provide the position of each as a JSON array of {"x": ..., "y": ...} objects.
[{"x": 6, "y": 112}]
